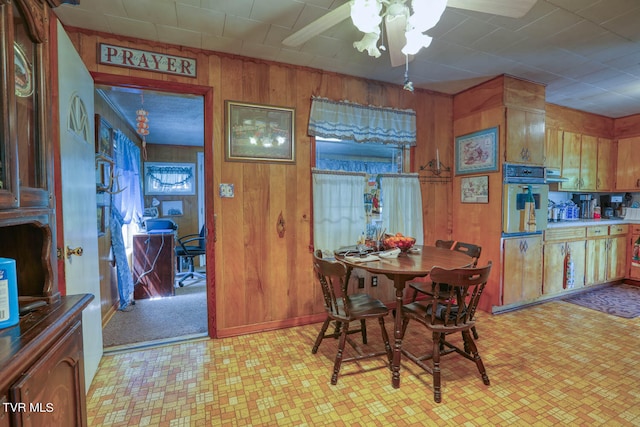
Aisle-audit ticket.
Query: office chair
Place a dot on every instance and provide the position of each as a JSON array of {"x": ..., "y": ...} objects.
[{"x": 189, "y": 247}]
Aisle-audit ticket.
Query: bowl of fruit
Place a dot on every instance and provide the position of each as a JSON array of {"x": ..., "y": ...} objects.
[{"x": 404, "y": 243}]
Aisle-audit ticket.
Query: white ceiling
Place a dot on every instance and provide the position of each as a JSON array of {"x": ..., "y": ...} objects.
[{"x": 586, "y": 52}]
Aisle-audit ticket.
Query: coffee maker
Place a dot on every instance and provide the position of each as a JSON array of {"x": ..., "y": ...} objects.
[
  {"x": 584, "y": 202},
  {"x": 611, "y": 206}
]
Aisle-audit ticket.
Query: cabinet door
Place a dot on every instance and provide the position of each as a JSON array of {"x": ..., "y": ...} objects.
[
  {"x": 54, "y": 386},
  {"x": 522, "y": 275},
  {"x": 554, "y": 256},
  {"x": 605, "y": 179},
  {"x": 553, "y": 148},
  {"x": 571, "y": 161},
  {"x": 588, "y": 162},
  {"x": 617, "y": 258},
  {"x": 628, "y": 164},
  {"x": 596, "y": 262},
  {"x": 525, "y": 137}
]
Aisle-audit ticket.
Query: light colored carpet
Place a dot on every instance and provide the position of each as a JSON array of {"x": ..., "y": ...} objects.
[{"x": 157, "y": 319}]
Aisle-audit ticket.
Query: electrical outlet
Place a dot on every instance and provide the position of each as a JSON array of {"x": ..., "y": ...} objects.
[
  {"x": 374, "y": 281},
  {"x": 226, "y": 190},
  {"x": 360, "y": 282}
]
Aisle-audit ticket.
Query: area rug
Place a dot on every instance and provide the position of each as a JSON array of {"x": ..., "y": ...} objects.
[{"x": 618, "y": 300}]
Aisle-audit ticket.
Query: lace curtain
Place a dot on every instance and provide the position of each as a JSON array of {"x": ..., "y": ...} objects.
[
  {"x": 402, "y": 205},
  {"x": 126, "y": 207},
  {"x": 370, "y": 168},
  {"x": 338, "y": 208},
  {"x": 353, "y": 122}
]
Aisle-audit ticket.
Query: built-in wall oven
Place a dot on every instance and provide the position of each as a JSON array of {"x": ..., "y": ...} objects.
[{"x": 518, "y": 180}]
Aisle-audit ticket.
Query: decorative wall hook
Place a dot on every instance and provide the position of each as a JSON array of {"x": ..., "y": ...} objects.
[{"x": 435, "y": 172}]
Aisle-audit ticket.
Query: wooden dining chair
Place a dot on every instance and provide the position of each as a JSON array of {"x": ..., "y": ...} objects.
[
  {"x": 426, "y": 287},
  {"x": 444, "y": 314},
  {"x": 344, "y": 309}
]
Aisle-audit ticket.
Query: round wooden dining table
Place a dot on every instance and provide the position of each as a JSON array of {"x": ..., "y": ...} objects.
[{"x": 405, "y": 268}]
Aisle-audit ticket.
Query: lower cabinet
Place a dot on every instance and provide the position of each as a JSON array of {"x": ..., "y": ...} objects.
[
  {"x": 555, "y": 256},
  {"x": 606, "y": 253},
  {"x": 42, "y": 367},
  {"x": 522, "y": 269}
]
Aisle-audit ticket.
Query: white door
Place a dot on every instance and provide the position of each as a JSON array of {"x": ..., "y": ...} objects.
[{"x": 79, "y": 218}]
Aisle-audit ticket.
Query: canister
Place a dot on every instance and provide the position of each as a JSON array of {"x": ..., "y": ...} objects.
[{"x": 9, "y": 310}]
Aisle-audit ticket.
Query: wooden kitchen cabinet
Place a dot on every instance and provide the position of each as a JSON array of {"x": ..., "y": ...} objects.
[
  {"x": 558, "y": 242},
  {"x": 628, "y": 164},
  {"x": 525, "y": 136},
  {"x": 579, "y": 162},
  {"x": 522, "y": 269},
  {"x": 606, "y": 253},
  {"x": 606, "y": 178},
  {"x": 553, "y": 148}
]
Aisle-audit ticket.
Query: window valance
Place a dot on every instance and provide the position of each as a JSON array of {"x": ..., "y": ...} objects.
[{"x": 353, "y": 122}]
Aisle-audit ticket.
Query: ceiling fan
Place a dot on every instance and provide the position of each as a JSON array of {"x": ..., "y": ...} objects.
[{"x": 396, "y": 17}]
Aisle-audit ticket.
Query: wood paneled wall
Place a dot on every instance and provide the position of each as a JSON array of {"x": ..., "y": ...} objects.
[
  {"x": 579, "y": 122},
  {"x": 263, "y": 281}
]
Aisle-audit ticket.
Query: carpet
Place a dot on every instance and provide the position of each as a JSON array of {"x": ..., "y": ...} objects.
[
  {"x": 618, "y": 300},
  {"x": 157, "y": 319}
]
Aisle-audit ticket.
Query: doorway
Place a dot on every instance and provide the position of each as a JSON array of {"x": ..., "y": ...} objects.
[{"x": 144, "y": 322}]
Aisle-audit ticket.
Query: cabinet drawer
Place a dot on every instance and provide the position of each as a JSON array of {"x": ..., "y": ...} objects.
[
  {"x": 598, "y": 231},
  {"x": 618, "y": 229},
  {"x": 635, "y": 228},
  {"x": 564, "y": 233}
]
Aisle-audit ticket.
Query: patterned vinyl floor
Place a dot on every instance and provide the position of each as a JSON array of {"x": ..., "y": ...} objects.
[{"x": 551, "y": 364}]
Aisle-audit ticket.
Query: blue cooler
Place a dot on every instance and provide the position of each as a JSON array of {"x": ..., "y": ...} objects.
[{"x": 9, "y": 310}]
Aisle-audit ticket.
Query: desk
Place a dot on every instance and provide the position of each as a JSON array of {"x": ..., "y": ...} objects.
[
  {"x": 154, "y": 265},
  {"x": 402, "y": 269}
]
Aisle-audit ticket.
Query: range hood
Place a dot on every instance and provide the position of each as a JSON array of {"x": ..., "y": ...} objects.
[{"x": 553, "y": 175}]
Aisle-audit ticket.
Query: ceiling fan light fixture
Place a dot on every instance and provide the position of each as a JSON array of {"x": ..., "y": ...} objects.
[
  {"x": 366, "y": 15},
  {"x": 415, "y": 41},
  {"x": 369, "y": 43},
  {"x": 426, "y": 13}
]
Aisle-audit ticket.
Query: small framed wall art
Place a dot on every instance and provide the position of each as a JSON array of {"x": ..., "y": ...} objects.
[
  {"x": 474, "y": 189},
  {"x": 259, "y": 133},
  {"x": 477, "y": 152}
]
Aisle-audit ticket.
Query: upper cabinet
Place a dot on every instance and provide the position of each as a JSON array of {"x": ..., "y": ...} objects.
[
  {"x": 24, "y": 161},
  {"x": 553, "y": 148},
  {"x": 628, "y": 166},
  {"x": 606, "y": 178},
  {"x": 525, "y": 136},
  {"x": 579, "y": 162}
]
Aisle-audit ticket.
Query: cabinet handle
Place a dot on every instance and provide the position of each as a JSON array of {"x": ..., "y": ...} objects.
[
  {"x": 638, "y": 183},
  {"x": 523, "y": 246}
]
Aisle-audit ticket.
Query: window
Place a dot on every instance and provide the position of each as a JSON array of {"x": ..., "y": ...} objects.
[{"x": 361, "y": 168}]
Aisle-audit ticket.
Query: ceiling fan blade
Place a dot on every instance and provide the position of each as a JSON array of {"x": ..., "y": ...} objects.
[
  {"x": 395, "y": 28},
  {"x": 319, "y": 26},
  {"x": 508, "y": 8}
]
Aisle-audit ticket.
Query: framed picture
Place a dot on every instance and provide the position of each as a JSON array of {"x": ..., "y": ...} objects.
[
  {"x": 169, "y": 178},
  {"x": 477, "y": 152},
  {"x": 104, "y": 137},
  {"x": 172, "y": 208},
  {"x": 103, "y": 173},
  {"x": 474, "y": 189},
  {"x": 259, "y": 133}
]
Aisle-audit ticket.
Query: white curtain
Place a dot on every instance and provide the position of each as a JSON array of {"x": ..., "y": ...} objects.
[
  {"x": 338, "y": 209},
  {"x": 368, "y": 124},
  {"x": 402, "y": 205}
]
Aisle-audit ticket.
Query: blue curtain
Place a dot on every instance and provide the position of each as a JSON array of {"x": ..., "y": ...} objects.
[{"x": 126, "y": 206}]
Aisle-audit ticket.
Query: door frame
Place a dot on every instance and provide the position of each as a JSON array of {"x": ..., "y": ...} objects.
[{"x": 206, "y": 92}]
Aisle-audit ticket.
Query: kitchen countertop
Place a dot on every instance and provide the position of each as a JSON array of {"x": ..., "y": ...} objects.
[{"x": 587, "y": 222}]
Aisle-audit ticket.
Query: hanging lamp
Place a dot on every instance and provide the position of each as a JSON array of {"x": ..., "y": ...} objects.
[{"x": 142, "y": 125}]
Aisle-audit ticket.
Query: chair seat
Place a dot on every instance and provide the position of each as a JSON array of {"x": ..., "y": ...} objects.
[
  {"x": 420, "y": 311},
  {"x": 363, "y": 305}
]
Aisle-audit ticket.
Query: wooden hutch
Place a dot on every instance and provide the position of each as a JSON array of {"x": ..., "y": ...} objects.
[{"x": 41, "y": 358}]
